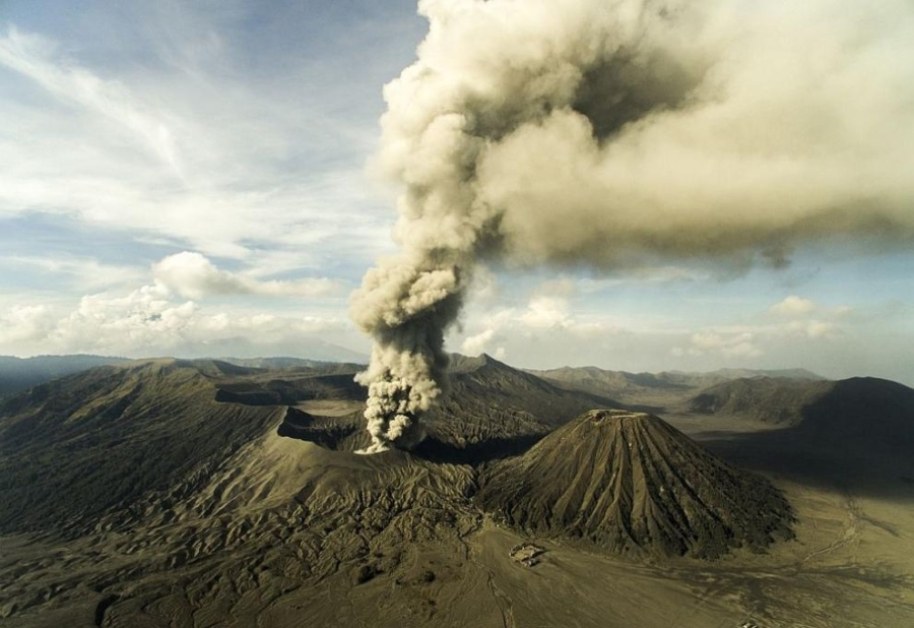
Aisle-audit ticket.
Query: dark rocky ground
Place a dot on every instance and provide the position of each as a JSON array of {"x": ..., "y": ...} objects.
[{"x": 206, "y": 493}]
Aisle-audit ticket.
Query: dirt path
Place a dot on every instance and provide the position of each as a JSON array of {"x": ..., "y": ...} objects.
[{"x": 850, "y": 535}]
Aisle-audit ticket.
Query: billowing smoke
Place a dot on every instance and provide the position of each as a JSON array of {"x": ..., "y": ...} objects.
[{"x": 606, "y": 133}]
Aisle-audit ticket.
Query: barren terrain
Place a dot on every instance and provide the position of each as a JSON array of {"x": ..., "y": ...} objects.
[{"x": 201, "y": 494}]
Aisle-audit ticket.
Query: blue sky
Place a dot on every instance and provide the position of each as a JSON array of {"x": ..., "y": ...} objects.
[{"x": 196, "y": 179}]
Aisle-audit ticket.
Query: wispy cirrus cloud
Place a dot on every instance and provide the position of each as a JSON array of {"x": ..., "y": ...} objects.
[
  {"x": 195, "y": 156},
  {"x": 82, "y": 273},
  {"x": 174, "y": 179},
  {"x": 38, "y": 59}
]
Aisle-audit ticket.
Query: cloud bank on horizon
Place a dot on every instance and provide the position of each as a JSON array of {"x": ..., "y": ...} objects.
[{"x": 604, "y": 134}]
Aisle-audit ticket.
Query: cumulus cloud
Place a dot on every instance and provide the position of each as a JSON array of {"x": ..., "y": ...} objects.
[
  {"x": 793, "y": 306},
  {"x": 545, "y": 312},
  {"x": 23, "y": 324},
  {"x": 734, "y": 344},
  {"x": 193, "y": 276},
  {"x": 813, "y": 328},
  {"x": 544, "y": 317},
  {"x": 819, "y": 329},
  {"x": 147, "y": 321},
  {"x": 101, "y": 323},
  {"x": 808, "y": 319},
  {"x": 474, "y": 345},
  {"x": 169, "y": 316}
]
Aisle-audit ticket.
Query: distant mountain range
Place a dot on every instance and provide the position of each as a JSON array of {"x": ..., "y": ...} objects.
[
  {"x": 21, "y": 373},
  {"x": 860, "y": 414},
  {"x": 18, "y": 374},
  {"x": 658, "y": 390},
  {"x": 665, "y": 379}
]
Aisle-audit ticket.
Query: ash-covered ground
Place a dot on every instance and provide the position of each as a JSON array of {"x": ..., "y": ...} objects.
[{"x": 208, "y": 494}]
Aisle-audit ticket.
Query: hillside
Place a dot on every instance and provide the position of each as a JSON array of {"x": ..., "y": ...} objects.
[
  {"x": 630, "y": 483},
  {"x": 110, "y": 435},
  {"x": 863, "y": 414},
  {"x": 779, "y": 401},
  {"x": 174, "y": 492},
  {"x": 491, "y": 409}
]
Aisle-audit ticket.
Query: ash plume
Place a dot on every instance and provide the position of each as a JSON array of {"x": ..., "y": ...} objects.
[{"x": 605, "y": 133}]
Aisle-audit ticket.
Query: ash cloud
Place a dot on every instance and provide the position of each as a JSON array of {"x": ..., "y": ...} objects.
[{"x": 600, "y": 133}]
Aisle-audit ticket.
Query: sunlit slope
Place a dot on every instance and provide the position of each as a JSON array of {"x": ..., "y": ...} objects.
[
  {"x": 631, "y": 483},
  {"x": 76, "y": 447}
]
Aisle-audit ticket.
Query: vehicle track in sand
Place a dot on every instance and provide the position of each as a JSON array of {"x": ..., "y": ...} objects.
[{"x": 850, "y": 535}]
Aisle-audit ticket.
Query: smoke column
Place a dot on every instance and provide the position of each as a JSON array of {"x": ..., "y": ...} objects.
[{"x": 607, "y": 133}]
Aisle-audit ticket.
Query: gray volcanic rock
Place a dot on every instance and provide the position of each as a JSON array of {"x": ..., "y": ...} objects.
[{"x": 631, "y": 483}]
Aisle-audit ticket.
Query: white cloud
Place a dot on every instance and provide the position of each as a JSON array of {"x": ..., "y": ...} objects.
[
  {"x": 545, "y": 312},
  {"x": 82, "y": 273},
  {"x": 793, "y": 306},
  {"x": 147, "y": 322},
  {"x": 35, "y": 57},
  {"x": 798, "y": 310},
  {"x": 104, "y": 324},
  {"x": 168, "y": 316},
  {"x": 193, "y": 276},
  {"x": 22, "y": 324},
  {"x": 813, "y": 328},
  {"x": 474, "y": 345},
  {"x": 732, "y": 344},
  {"x": 201, "y": 160},
  {"x": 546, "y": 320}
]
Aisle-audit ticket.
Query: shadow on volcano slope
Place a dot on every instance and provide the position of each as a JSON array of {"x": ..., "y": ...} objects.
[
  {"x": 858, "y": 434},
  {"x": 496, "y": 448},
  {"x": 489, "y": 411}
]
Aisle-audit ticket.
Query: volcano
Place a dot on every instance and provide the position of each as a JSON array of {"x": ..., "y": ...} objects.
[
  {"x": 177, "y": 492},
  {"x": 632, "y": 484}
]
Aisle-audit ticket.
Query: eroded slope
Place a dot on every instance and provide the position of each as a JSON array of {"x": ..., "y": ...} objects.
[{"x": 631, "y": 483}]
